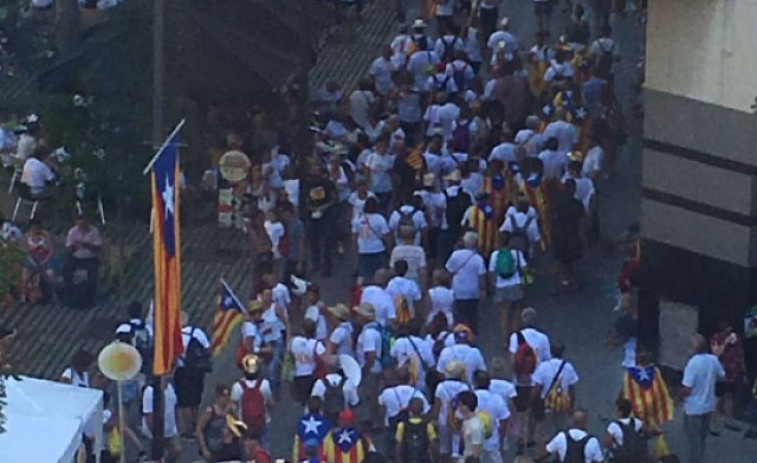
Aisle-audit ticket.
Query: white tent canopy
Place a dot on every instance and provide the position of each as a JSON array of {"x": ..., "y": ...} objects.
[{"x": 55, "y": 412}]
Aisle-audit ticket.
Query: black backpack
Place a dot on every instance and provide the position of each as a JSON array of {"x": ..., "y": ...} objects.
[
  {"x": 604, "y": 63},
  {"x": 441, "y": 85},
  {"x": 519, "y": 235},
  {"x": 634, "y": 448},
  {"x": 140, "y": 338},
  {"x": 448, "y": 50},
  {"x": 456, "y": 207},
  {"x": 333, "y": 398},
  {"x": 197, "y": 357},
  {"x": 575, "y": 448},
  {"x": 415, "y": 442}
]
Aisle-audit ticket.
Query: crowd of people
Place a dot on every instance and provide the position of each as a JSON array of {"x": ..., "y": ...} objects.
[{"x": 465, "y": 160}]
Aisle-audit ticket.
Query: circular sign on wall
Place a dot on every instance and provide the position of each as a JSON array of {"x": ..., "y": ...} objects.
[{"x": 234, "y": 166}]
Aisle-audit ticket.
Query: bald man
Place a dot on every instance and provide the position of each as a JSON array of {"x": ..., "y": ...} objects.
[{"x": 575, "y": 440}]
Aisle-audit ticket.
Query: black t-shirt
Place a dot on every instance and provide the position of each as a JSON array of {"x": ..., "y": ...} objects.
[{"x": 319, "y": 192}]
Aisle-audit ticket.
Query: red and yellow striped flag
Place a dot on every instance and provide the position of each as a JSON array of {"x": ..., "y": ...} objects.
[
  {"x": 166, "y": 185},
  {"x": 645, "y": 388},
  {"x": 229, "y": 314},
  {"x": 345, "y": 445}
]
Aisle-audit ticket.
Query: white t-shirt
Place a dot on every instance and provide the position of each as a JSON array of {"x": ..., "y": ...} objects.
[
  {"x": 442, "y": 300},
  {"x": 358, "y": 204},
  {"x": 418, "y": 66},
  {"x": 415, "y": 257},
  {"x": 556, "y": 70},
  {"x": 445, "y": 8},
  {"x": 554, "y": 162},
  {"x": 305, "y": 351},
  {"x": 515, "y": 279},
  {"x": 342, "y": 338},
  {"x": 360, "y": 106},
  {"x": 400, "y": 45},
  {"x": 395, "y": 399},
  {"x": 80, "y": 380},
  {"x": 520, "y": 218},
  {"x": 546, "y": 371},
  {"x": 469, "y": 355},
  {"x": 504, "y": 389},
  {"x": 565, "y": 132},
  {"x": 416, "y": 350},
  {"x": 381, "y": 70},
  {"x": 369, "y": 341},
  {"x": 436, "y": 204},
  {"x": 538, "y": 341},
  {"x": 170, "y": 428},
  {"x": 187, "y": 333},
  {"x": 559, "y": 445},
  {"x": 380, "y": 166},
  {"x": 497, "y": 409},
  {"x": 349, "y": 390},
  {"x": 584, "y": 190},
  {"x": 265, "y": 390},
  {"x": 446, "y": 391},
  {"x": 321, "y": 327},
  {"x": 272, "y": 325},
  {"x": 250, "y": 330},
  {"x": 419, "y": 220},
  {"x": 616, "y": 432},
  {"x": 510, "y": 40},
  {"x": 36, "y": 174},
  {"x": 404, "y": 287},
  {"x": 381, "y": 301},
  {"x": 473, "y": 46},
  {"x": 593, "y": 161},
  {"x": 370, "y": 229},
  {"x": 700, "y": 374},
  {"x": 466, "y": 266},
  {"x": 504, "y": 152},
  {"x": 473, "y": 434},
  {"x": 443, "y": 116}
]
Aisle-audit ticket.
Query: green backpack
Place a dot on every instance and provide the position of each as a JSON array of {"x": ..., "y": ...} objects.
[{"x": 506, "y": 265}]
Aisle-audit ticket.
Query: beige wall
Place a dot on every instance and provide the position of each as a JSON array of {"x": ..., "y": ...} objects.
[{"x": 704, "y": 49}]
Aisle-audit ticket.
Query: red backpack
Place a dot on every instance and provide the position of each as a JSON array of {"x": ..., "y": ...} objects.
[
  {"x": 253, "y": 406},
  {"x": 525, "y": 357}
]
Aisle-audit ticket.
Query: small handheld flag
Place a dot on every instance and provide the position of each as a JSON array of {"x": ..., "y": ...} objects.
[{"x": 229, "y": 314}]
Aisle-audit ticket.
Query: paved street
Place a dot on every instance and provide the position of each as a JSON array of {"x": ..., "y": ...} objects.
[{"x": 580, "y": 320}]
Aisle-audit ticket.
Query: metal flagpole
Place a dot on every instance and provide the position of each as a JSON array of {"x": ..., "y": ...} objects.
[{"x": 176, "y": 129}]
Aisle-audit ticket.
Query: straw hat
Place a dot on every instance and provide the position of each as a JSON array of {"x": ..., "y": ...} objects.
[
  {"x": 419, "y": 24},
  {"x": 454, "y": 369},
  {"x": 254, "y": 305},
  {"x": 340, "y": 311},
  {"x": 250, "y": 363},
  {"x": 366, "y": 310},
  {"x": 453, "y": 176}
]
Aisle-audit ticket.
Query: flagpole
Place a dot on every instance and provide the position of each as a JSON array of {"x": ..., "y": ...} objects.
[
  {"x": 226, "y": 285},
  {"x": 163, "y": 146}
]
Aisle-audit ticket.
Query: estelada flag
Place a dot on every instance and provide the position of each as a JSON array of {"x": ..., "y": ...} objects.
[
  {"x": 229, "y": 314},
  {"x": 650, "y": 399},
  {"x": 313, "y": 428},
  {"x": 167, "y": 255},
  {"x": 345, "y": 445}
]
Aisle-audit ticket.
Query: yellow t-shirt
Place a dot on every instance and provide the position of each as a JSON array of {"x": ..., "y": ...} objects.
[{"x": 415, "y": 420}]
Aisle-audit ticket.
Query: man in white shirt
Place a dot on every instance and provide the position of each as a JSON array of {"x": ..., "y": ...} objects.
[
  {"x": 584, "y": 186},
  {"x": 618, "y": 430},
  {"x": 37, "y": 175},
  {"x": 506, "y": 150},
  {"x": 503, "y": 36},
  {"x": 468, "y": 280},
  {"x": 501, "y": 386},
  {"x": 377, "y": 296},
  {"x": 396, "y": 399},
  {"x": 340, "y": 339},
  {"x": 565, "y": 132},
  {"x": 539, "y": 343},
  {"x": 403, "y": 289},
  {"x": 382, "y": 69},
  {"x": 593, "y": 161},
  {"x": 575, "y": 440},
  {"x": 369, "y": 352},
  {"x": 554, "y": 161},
  {"x": 701, "y": 373},
  {"x": 499, "y": 413},
  {"x": 463, "y": 352},
  {"x": 409, "y": 350},
  {"x": 333, "y": 379},
  {"x": 415, "y": 214},
  {"x": 414, "y": 255},
  {"x": 189, "y": 378},
  {"x": 559, "y": 375},
  {"x": 252, "y": 369},
  {"x": 170, "y": 427}
]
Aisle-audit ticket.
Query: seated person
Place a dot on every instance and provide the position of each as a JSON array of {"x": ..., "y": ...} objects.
[
  {"x": 40, "y": 266},
  {"x": 37, "y": 175}
]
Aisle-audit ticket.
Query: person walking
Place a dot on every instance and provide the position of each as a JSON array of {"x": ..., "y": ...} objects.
[
  {"x": 191, "y": 367},
  {"x": 701, "y": 373},
  {"x": 468, "y": 280}
]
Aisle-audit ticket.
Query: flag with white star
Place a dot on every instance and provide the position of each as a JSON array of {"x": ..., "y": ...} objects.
[
  {"x": 229, "y": 314},
  {"x": 346, "y": 445},
  {"x": 167, "y": 256},
  {"x": 650, "y": 399},
  {"x": 310, "y": 427}
]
